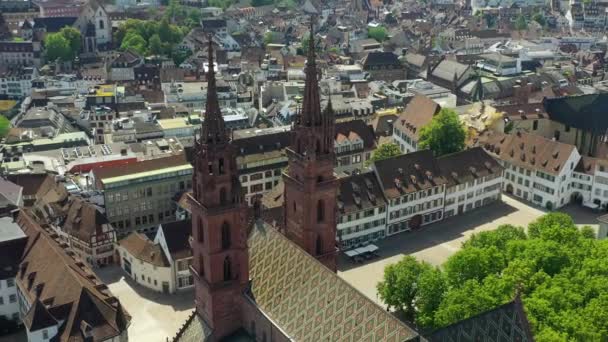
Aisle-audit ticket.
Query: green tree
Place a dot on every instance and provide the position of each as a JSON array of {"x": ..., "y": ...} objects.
[
  {"x": 155, "y": 45},
  {"x": 134, "y": 41},
  {"x": 521, "y": 24},
  {"x": 258, "y": 3},
  {"x": 74, "y": 38},
  {"x": 5, "y": 126},
  {"x": 540, "y": 19},
  {"x": 57, "y": 47},
  {"x": 399, "y": 288},
  {"x": 560, "y": 272},
  {"x": 444, "y": 134},
  {"x": 378, "y": 33},
  {"x": 385, "y": 151},
  {"x": 270, "y": 37},
  {"x": 180, "y": 55}
]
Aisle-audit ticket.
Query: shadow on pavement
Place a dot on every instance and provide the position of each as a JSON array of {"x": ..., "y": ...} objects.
[{"x": 436, "y": 233}]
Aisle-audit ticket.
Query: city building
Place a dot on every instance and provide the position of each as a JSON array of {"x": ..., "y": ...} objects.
[
  {"x": 235, "y": 259},
  {"x": 361, "y": 211},
  {"x": 12, "y": 246},
  {"x": 536, "y": 169},
  {"x": 144, "y": 261},
  {"x": 60, "y": 298},
  {"x": 418, "y": 113},
  {"x": 140, "y": 195},
  {"x": 414, "y": 188},
  {"x": 354, "y": 143},
  {"x": 474, "y": 179}
]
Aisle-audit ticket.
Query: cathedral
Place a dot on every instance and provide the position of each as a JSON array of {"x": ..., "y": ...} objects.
[{"x": 254, "y": 282}]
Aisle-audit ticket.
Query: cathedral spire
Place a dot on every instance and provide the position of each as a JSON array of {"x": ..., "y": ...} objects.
[
  {"x": 214, "y": 129},
  {"x": 311, "y": 109}
]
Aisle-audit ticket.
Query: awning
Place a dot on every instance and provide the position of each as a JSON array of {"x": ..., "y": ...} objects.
[
  {"x": 352, "y": 253},
  {"x": 591, "y": 205},
  {"x": 369, "y": 248}
]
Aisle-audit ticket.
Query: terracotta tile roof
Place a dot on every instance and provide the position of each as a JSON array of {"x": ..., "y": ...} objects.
[
  {"x": 29, "y": 182},
  {"x": 310, "y": 302},
  {"x": 139, "y": 246},
  {"x": 523, "y": 111},
  {"x": 83, "y": 219},
  {"x": 409, "y": 173},
  {"x": 417, "y": 114},
  {"x": 464, "y": 166},
  {"x": 359, "y": 192},
  {"x": 529, "y": 151},
  {"x": 69, "y": 290}
]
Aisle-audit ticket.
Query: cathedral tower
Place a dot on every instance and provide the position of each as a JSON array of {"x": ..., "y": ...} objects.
[
  {"x": 310, "y": 184},
  {"x": 219, "y": 241}
]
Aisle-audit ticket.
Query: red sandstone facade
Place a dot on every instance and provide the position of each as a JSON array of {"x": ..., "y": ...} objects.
[
  {"x": 311, "y": 187},
  {"x": 220, "y": 267},
  {"x": 219, "y": 213}
]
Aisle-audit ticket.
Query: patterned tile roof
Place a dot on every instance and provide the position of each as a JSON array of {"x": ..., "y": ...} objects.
[
  {"x": 310, "y": 302},
  {"x": 193, "y": 330},
  {"x": 507, "y": 322}
]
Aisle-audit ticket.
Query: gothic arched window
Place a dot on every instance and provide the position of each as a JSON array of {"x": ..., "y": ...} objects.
[
  {"x": 101, "y": 24},
  {"x": 201, "y": 233},
  {"x": 319, "y": 246},
  {"x": 225, "y": 235},
  {"x": 221, "y": 166},
  {"x": 222, "y": 196},
  {"x": 227, "y": 269},
  {"x": 318, "y": 147},
  {"x": 320, "y": 211}
]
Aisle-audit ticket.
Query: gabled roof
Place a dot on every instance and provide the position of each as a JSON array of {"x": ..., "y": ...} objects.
[
  {"x": 587, "y": 112},
  {"x": 446, "y": 70},
  {"x": 464, "y": 166},
  {"x": 528, "y": 150},
  {"x": 364, "y": 131},
  {"x": 359, "y": 192},
  {"x": 38, "y": 317},
  {"x": 379, "y": 58},
  {"x": 308, "y": 301},
  {"x": 418, "y": 113},
  {"x": 83, "y": 219},
  {"x": 409, "y": 173},
  {"x": 177, "y": 235},
  {"x": 142, "y": 248},
  {"x": 54, "y": 24},
  {"x": 54, "y": 276}
]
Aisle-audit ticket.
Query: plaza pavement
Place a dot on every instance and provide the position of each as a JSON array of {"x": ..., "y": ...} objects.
[
  {"x": 436, "y": 242},
  {"x": 154, "y": 316}
]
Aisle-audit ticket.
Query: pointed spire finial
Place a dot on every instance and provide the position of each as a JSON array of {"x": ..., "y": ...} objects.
[
  {"x": 214, "y": 130},
  {"x": 311, "y": 106}
]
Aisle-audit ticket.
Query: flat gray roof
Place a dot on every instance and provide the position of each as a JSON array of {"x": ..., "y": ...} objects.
[{"x": 9, "y": 229}]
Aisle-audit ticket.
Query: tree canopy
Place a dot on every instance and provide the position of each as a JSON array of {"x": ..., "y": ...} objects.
[
  {"x": 64, "y": 45},
  {"x": 57, "y": 47},
  {"x": 378, "y": 33},
  {"x": 150, "y": 37},
  {"x": 521, "y": 24},
  {"x": 560, "y": 271},
  {"x": 540, "y": 19},
  {"x": 385, "y": 151},
  {"x": 5, "y": 126},
  {"x": 445, "y": 133}
]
